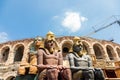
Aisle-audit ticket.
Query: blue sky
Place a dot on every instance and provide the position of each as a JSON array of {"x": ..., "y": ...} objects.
[{"x": 20, "y": 19}]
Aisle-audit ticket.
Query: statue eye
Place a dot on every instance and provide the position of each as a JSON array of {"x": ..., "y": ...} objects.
[
  {"x": 49, "y": 41},
  {"x": 39, "y": 40},
  {"x": 51, "y": 36},
  {"x": 79, "y": 41}
]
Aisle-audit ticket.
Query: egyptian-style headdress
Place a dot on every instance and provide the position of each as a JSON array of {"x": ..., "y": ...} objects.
[
  {"x": 77, "y": 40},
  {"x": 51, "y": 36}
]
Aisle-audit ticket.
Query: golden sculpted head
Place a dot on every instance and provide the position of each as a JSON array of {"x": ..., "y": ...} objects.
[
  {"x": 77, "y": 40},
  {"x": 50, "y": 36},
  {"x": 50, "y": 42}
]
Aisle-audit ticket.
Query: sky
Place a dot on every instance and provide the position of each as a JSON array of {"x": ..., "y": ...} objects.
[{"x": 21, "y": 19}]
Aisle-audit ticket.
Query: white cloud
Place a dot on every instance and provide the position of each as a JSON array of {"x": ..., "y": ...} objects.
[
  {"x": 83, "y": 19},
  {"x": 3, "y": 37},
  {"x": 72, "y": 21},
  {"x": 55, "y": 17}
]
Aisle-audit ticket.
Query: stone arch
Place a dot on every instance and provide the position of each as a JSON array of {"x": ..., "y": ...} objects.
[
  {"x": 11, "y": 78},
  {"x": 118, "y": 51},
  {"x": 5, "y": 53},
  {"x": 18, "y": 52},
  {"x": 99, "y": 51},
  {"x": 10, "y": 75},
  {"x": 110, "y": 52},
  {"x": 86, "y": 46},
  {"x": 66, "y": 46},
  {"x": 29, "y": 44}
]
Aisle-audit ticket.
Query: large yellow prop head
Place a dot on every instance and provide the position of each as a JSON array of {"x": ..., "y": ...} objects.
[
  {"x": 50, "y": 36},
  {"x": 50, "y": 42},
  {"x": 77, "y": 41}
]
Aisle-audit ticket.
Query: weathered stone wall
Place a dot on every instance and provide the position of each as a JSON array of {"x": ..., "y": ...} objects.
[{"x": 13, "y": 52}]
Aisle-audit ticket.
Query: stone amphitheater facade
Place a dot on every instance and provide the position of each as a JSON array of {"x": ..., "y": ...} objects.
[{"x": 13, "y": 52}]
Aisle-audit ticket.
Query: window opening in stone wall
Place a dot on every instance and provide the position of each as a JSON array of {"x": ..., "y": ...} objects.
[
  {"x": 110, "y": 74},
  {"x": 98, "y": 52},
  {"x": 118, "y": 51},
  {"x": 19, "y": 53},
  {"x": 5, "y": 54},
  {"x": 109, "y": 51},
  {"x": 66, "y": 46},
  {"x": 65, "y": 50}
]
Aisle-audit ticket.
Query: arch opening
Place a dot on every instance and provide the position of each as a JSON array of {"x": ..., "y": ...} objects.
[
  {"x": 110, "y": 52},
  {"x": 98, "y": 51},
  {"x": 66, "y": 47},
  {"x": 5, "y": 53},
  {"x": 19, "y": 53},
  {"x": 118, "y": 51}
]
